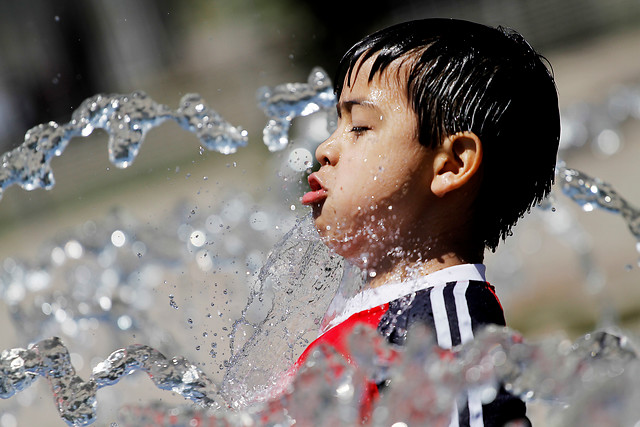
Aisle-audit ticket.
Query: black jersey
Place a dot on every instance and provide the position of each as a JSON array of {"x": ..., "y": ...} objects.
[
  {"x": 454, "y": 302},
  {"x": 455, "y": 312}
]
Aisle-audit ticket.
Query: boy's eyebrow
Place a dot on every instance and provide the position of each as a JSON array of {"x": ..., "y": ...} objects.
[{"x": 349, "y": 103}]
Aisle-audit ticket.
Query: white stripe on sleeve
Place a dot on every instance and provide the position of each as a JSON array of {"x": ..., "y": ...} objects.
[
  {"x": 475, "y": 408},
  {"x": 440, "y": 319},
  {"x": 462, "y": 310}
]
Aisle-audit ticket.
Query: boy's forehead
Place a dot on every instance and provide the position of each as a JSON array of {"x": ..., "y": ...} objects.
[{"x": 389, "y": 84}]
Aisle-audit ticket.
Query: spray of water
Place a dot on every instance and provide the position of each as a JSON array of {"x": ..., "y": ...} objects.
[
  {"x": 285, "y": 102},
  {"x": 277, "y": 317},
  {"x": 127, "y": 119},
  {"x": 593, "y": 193},
  {"x": 293, "y": 290},
  {"x": 76, "y": 399}
]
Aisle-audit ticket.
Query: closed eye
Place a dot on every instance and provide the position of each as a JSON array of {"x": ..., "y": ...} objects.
[{"x": 359, "y": 130}]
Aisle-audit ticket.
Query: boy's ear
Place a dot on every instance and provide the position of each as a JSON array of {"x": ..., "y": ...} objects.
[{"x": 458, "y": 160}]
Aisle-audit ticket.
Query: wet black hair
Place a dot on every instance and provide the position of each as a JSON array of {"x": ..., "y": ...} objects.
[{"x": 464, "y": 76}]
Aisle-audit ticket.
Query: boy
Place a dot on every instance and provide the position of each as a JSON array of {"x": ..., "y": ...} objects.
[{"x": 447, "y": 134}]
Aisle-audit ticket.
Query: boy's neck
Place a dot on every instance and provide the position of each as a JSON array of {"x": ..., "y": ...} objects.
[{"x": 408, "y": 268}]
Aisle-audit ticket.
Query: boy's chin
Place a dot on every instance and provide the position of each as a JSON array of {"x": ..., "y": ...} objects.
[{"x": 343, "y": 245}]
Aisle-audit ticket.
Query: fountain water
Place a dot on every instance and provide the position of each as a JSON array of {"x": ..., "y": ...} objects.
[{"x": 287, "y": 300}]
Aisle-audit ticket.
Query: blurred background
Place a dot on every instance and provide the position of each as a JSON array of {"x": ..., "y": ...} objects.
[{"x": 563, "y": 271}]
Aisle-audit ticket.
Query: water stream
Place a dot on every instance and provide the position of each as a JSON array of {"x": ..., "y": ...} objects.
[{"x": 115, "y": 268}]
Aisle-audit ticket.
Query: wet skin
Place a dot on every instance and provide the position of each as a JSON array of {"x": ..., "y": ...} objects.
[
  {"x": 381, "y": 199},
  {"x": 374, "y": 182}
]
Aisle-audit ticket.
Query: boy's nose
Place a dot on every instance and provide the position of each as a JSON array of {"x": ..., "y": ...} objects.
[{"x": 327, "y": 153}]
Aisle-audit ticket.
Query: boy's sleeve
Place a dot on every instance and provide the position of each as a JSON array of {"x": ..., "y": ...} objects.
[{"x": 455, "y": 312}]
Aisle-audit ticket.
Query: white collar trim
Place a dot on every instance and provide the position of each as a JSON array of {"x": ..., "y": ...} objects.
[{"x": 373, "y": 297}]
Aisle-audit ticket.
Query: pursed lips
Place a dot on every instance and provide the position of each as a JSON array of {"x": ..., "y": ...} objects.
[{"x": 317, "y": 194}]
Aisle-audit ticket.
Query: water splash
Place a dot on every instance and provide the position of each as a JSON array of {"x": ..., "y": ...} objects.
[
  {"x": 285, "y": 102},
  {"x": 422, "y": 379},
  {"x": 76, "y": 399},
  {"x": 591, "y": 193},
  {"x": 283, "y": 312},
  {"x": 108, "y": 281},
  {"x": 127, "y": 119},
  {"x": 532, "y": 371}
]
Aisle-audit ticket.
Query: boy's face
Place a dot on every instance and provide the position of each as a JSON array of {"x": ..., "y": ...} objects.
[{"x": 372, "y": 191}]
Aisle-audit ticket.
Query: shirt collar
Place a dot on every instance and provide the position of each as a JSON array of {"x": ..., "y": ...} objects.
[{"x": 370, "y": 298}]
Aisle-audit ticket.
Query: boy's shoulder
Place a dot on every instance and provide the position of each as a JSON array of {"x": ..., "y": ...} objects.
[{"x": 454, "y": 311}]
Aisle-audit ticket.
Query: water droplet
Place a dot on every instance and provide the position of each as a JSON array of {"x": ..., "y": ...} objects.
[
  {"x": 118, "y": 238},
  {"x": 300, "y": 159},
  {"x": 587, "y": 207},
  {"x": 172, "y": 303},
  {"x": 124, "y": 322},
  {"x": 198, "y": 238}
]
